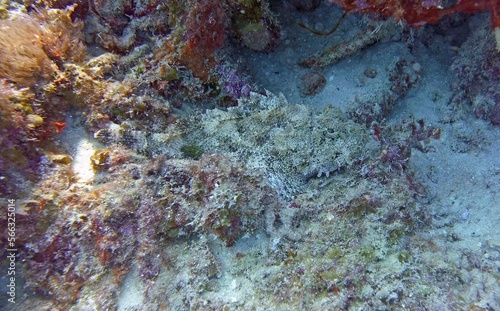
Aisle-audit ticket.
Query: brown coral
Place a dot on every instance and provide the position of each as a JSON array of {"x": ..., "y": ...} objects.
[
  {"x": 23, "y": 57},
  {"x": 62, "y": 38},
  {"x": 34, "y": 46}
]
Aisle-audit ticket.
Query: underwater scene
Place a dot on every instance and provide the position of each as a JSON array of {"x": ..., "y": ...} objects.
[{"x": 250, "y": 155}]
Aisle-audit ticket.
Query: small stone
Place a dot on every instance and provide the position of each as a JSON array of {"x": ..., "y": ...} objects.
[
  {"x": 370, "y": 73},
  {"x": 34, "y": 120},
  {"x": 312, "y": 83},
  {"x": 416, "y": 67},
  {"x": 60, "y": 158},
  {"x": 100, "y": 159},
  {"x": 453, "y": 237},
  {"x": 256, "y": 36}
]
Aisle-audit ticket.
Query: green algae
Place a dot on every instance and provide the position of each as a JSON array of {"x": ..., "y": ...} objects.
[{"x": 192, "y": 151}]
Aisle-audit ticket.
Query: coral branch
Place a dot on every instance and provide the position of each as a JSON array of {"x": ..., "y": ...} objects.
[{"x": 337, "y": 52}]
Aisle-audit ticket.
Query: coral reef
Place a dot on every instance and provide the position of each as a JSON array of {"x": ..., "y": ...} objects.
[
  {"x": 477, "y": 70},
  {"x": 205, "y": 192},
  {"x": 35, "y": 88},
  {"x": 182, "y": 61},
  {"x": 396, "y": 149},
  {"x": 95, "y": 241},
  {"x": 402, "y": 76},
  {"x": 141, "y": 212}
]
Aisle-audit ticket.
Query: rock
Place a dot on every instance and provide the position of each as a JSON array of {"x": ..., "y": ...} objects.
[
  {"x": 60, "y": 158},
  {"x": 370, "y": 73},
  {"x": 34, "y": 120},
  {"x": 256, "y": 36},
  {"x": 312, "y": 83}
]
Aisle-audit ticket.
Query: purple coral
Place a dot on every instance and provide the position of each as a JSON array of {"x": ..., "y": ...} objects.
[
  {"x": 231, "y": 82},
  {"x": 396, "y": 148}
]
